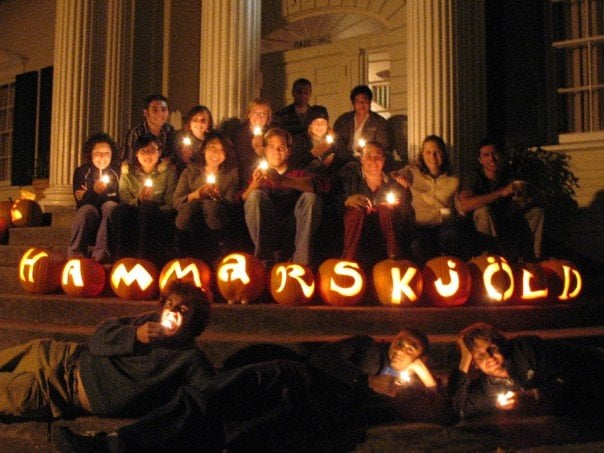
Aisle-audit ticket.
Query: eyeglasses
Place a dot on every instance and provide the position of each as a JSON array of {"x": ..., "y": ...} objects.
[
  {"x": 260, "y": 114},
  {"x": 148, "y": 150}
]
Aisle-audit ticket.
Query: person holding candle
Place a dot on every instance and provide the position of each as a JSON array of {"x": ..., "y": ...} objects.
[
  {"x": 280, "y": 199},
  {"x": 368, "y": 209},
  {"x": 248, "y": 140},
  {"x": 190, "y": 139},
  {"x": 313, "y": 149},
  {"x": 204, "y": 199},
  {"x": 285, "y": 405},
  {"x": 155, "y": 122},
  {"x": 130, "y": 365},
  {"x": 433, "y": 189},
  {"x": 524, "y": 373},
  {"x": 355, "y": 129},
  {"x": 138, "y": 223},
  {"x": 95, "y": 188}
]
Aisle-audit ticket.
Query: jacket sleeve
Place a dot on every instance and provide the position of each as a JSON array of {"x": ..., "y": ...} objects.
[
  {"x": 117, "y": 337},
  {"x": 339, "y": 360},
  {"x": 468, "y": 396}
]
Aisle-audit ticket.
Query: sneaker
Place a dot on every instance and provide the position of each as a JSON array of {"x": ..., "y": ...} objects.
[{"x": 70, "y": 442}]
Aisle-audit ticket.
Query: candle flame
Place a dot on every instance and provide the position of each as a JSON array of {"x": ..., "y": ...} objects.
[
  {"x": 105, "y": 179},
  {"x": 504, "y": 398},
  {"x": 403, "y": 378},
  {"x": 148, "y": 182},
  {"x": 362, "y": 142},
  {"x": 257, "y": 131},
  {"x": 329, "y": 139},
  {"x": 390, "y": 198},
  {"x": 211, "y": 179},
  {"x": 186, "y": 141},
  {"x": 263, "y": 165}
]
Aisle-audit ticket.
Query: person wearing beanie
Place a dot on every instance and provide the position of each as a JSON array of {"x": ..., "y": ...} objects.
[{"x": 312, "y": 149}]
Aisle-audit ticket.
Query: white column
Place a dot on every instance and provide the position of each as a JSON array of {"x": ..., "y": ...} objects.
[
  {"x": 118, "y": 68},
  {"x": 70, "y": 96},
  {"x": 446, "y": 75},
  {"x": 230, "y": 56}
]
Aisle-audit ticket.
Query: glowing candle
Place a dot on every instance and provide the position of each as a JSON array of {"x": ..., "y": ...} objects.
[
  {"x": 257, "y": 131},
  {"x": 362, "y": 142},
  {"x": 263, "y": 165},
  {"x": 503, "y": 399},
  {"x": 148, "y": 182},
  {"x": 404, "y": 377},
  {"x": 105, "y": 179},
  {"x": 171, "y": 320},
  {"x": 391, "y": 198},
  {"x": 211, "y": 179},
  {"x": 168, "y": 323},
  {"x": 186, "y": 141},
  {"x": 329, "y": 139}
]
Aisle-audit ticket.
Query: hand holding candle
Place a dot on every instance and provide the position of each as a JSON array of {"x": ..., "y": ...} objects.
[
  {"x": 257, "y": 131},
  {"x": 329, "y": 139},
  {"x": 148, "y": 182},
  {"x": 186, "y": 141},
  {"x": 506, "y": 400},
  {"x": 391, "y": 198},
  {"x": 403, "y": 378}
]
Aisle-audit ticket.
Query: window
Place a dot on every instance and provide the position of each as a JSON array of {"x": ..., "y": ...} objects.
[
  {"x": 7, "y": 102},
  {"x": 378, "y": 79},
  {"x": 578, "y": 35}
]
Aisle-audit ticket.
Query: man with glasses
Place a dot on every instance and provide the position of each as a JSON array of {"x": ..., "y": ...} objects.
[
  {"x": 525, "y": 374},
  {"x": 313, "y": 405}
]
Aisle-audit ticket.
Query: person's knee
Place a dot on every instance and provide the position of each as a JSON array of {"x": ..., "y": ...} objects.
[
  {"x": 254, "y": 199},
  {"x": 483, "y": 220},
  {"x": 87, "y": 213}
]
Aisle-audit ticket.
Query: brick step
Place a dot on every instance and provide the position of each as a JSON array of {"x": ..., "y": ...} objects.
[
  {"x": 43, "y": 236},
  {"x": 9, "y": 283}
]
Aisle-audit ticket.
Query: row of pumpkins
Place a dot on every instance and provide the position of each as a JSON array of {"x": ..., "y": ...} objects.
[
  {"x": 240, "y": 277},
  {"x": 23, "y": 212}
]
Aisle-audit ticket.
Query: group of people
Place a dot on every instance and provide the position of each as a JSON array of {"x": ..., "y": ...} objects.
[
  {"x": 292, "y": 184},
  {"x": 151, "y": 367}
]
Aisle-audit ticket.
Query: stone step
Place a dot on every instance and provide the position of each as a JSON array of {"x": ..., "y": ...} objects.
[
  {"x": 9, "y": 282},
  {"x": 43, "y": 236}
]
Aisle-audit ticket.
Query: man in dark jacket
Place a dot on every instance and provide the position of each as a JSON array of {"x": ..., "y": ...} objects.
[
  {"x": 130, "y": 366},
  {"x": 344, "y": 385},
  {"x": 525, "y": 374}
]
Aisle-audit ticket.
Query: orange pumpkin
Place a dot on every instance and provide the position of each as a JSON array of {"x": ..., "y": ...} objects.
[
  {"x": 26, "y": 213},
  {"x": 341, "y": 282},
  {"x": 292, "y": 284},
  {"x": 447, "y": 281},
  {"x": 188, "y": 270},
  {"x": 83, "y": 277},
  {"x": 241, "y": 277},
  {"x": 40, "y": 270},
  {"x": 134, "y": 278},
  {"x": 531, "y": 284},
  {"x": 397, "y": 282},
  {"x": 492, "y": 278},
  {"x": 564, "y": 279}
]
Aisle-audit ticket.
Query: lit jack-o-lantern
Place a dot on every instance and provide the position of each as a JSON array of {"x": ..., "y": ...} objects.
[
  {"x": 341, "y": 282},
  {"x": 531, "y": 284},
  {"x": 564, "y": 279},
  {"x": 241, "y": 277},
  {"x": 492, "y": 278},
  {"x": 83, "y": 277},
  {"x": 397, "y": 282},
  {"x": 134, "y": 278},
  {"x": 40, "y": 270},
  {"x": 188, "y": 270},
  {"x": 292, "y": 284},
  {"x": 447, "y": 281},
  {"x": 26, "y": 213}
]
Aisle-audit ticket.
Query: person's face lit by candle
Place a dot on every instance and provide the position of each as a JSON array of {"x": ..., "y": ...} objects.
[
  {"x": 148, "y": 156},
  {"x": 175, "y": 314},
  {"x": 404, "y": 349},
  {"x": 432, "y": 156},
  {"x": 214, "y": 155},
  {"x": 259, "y": 115},
  {"x": 372, "y": 159},
  {"x": 199, "y": 124},
  {"x": 101, "y": 155},
  {"x": 488, "y": 358},
  {"x": 318, "y": 127},
  {"x": 277, "y": 152}
]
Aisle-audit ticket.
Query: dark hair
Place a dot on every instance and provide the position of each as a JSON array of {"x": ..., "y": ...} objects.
[
  {"x": 483, "y": 331},
  {"x": 378, "y": 145},
  {"x": 361, "y": 89},
  {"x": 140, "y": 143},
  {"x": 421, "y": 337},
  {"x": 194, "y": 297},
  {"x": 314, "y": 113},
  {"x": 301, "y": 81},
  {"x": 227, "y": 144},
  {"x": 200, "y": 109},
  {"x": 154, "y": 97},
  {"x": 281, "y": 133},
  {"x": 94, "y": 140},
  {"x": 445, "y": 167},
  {"x": 488, "y": 141},
  {"x": 265, "y": 103}
]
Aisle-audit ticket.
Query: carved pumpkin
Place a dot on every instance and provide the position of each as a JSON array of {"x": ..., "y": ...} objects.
[
  {"x": 447, "y": 281},
  {"x": 292, "y": 284},
  {"x": 83, "y": 277},
  {"x": 26, "y": 213},
  {"x": 341, "y": 282},
  {"x": 564, "y": 279},
  {"x": 40, "y": 270},
  {"x": 492, "y": 278},
  {"x": 5, "y": 207},
  {"x": 241, "y": 277},
  {"x": 188, "y": 270},
  {"x": 134, "y": 278},
  {"x": 397, "y": 282},
  {"x": 531, "y": 284}
]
